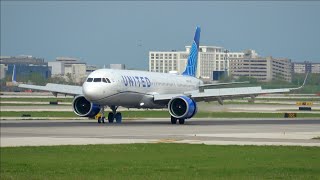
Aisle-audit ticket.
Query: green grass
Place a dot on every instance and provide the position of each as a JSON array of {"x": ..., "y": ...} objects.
[
  {"x": 29, "y": 104},
  {"x": 311, "y": 99},
  {"x": 37, "y": 114},
  {"x": 161, "y": 114},
  {"x": 160, "y": 161},
  {"x": 37, "y": 99}
]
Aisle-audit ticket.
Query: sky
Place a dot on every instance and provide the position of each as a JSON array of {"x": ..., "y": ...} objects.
[{"x": 106, "y": 32}]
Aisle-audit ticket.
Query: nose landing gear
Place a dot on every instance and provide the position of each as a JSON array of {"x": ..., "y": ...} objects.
[
  {"x": 102, "y": 118},
  {"x": 114, "y": 115},
  {"x": 174, "y": 120}
]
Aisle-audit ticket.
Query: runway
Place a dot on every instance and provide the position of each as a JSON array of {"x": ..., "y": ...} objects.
[{"x": 196, "y": 131}]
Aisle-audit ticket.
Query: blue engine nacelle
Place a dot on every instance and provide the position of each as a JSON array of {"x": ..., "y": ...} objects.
[
  {"x": 182, "y": 107},
  {"x": 84, "y": 108}
]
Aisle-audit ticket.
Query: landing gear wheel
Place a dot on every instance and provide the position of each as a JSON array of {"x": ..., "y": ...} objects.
[
  {"x": 102, "y": 119},
  {"x": 173, "y": 120},
  {"x": 181, "y": 121},
  {"x": 118, "y": 117},
  {"x": 110, "y": 117}
]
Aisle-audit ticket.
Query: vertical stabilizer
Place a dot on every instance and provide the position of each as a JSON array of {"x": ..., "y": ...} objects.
[{"x": 191, "y": 67}]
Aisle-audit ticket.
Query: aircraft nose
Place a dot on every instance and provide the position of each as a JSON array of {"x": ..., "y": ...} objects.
[{"x": 90, "y": 93}]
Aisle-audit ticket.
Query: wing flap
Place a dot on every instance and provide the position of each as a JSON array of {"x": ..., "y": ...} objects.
[
  {"x": 211, "y": 86},
  {"x": 55, "y": 88}
]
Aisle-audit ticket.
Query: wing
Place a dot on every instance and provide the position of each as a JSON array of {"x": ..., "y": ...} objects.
[
  {"x": 210, "y": 86},
  {"x": 221, "y": 94},
  {"x": 56, "y": 88}
]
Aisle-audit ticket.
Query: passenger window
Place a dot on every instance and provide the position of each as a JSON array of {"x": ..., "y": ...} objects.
[
  {"x": 97, "y": 80},
  {"x": 89, "y": 79}
]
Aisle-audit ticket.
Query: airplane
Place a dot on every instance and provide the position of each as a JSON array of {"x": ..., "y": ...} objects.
[{"x": 148, "y": 90}]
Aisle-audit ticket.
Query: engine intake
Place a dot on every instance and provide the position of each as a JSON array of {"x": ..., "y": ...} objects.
[
  {"x": 84, "y": 108},
  {"x": 182, "y": 107}
]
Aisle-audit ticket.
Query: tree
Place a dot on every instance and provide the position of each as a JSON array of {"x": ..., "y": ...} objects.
[
  {"x": 251, "y": 80},
  {"x": 57, "y": 80}
]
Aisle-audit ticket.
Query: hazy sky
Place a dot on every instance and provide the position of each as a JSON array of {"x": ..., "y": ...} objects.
[{"x": 105, "y": 32}]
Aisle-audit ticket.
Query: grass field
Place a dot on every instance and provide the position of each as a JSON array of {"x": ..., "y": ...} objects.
[
  {"x": 30, "y": 99},
  {"x": 160, "y": 114},
  {"x": 160, "y": 161},
  {"x": 30, "y": 104}
]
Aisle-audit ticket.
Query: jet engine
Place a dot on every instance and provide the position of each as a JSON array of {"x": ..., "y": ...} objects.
[
  {"x": 182, "y": 107},
  {"x": 84, "y": 108}
]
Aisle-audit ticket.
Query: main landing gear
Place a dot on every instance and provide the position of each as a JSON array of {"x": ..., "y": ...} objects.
[
  {"x": 174, "y": 120},
  {"x": 114, "y": 115}
]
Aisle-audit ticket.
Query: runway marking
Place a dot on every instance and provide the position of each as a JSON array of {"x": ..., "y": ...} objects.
[
  {"x": 167, "y": 141},
  {"x": 273, "y": 135}
]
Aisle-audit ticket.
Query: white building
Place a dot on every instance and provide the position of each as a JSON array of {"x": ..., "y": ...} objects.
[
  {"x": 57, "y": 68},
  {"x": 306, "y": 66},
  {"x": 3, "y": 70},
  {"x": 261, "y": 68},
  {"x": 299, "y": 68},
  {"x": 69, "y": 68},
  {"x": 90, "y": 69},
  {"x": 210, "y": 58},
  {"x": 315, "y": 68},
  {"x": 117, "y": 66}
]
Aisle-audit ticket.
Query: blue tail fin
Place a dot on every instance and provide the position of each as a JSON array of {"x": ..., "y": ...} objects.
[
  {"x": 14, "y": 75},
  {"x": 191, "y": 67}
]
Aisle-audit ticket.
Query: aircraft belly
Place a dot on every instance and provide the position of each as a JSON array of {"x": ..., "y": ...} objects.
[
  {"x": 124, "y": 99},
  {"x": 131, "y": 100}
]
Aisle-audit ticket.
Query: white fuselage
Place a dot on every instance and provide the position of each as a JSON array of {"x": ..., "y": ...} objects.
[{"x": 130, "y": 88}]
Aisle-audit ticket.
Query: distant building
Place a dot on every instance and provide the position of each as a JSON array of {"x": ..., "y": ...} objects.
[
  {"x": 210, "y": 58},
  {"x": 3, "y": 70},
  {"x": 90, "y": 69},
  {"x": 117, "y": 66},
  {"x": 24, "y": 71},
  {"x": 57, "y": 68},
  {"x": 69, "y": 67},
  {"x": 23, "y": 59},
  {"x": 315, "y": 68},
  {"x": 25, "y": 66},
  {"x": 261, "y": 68},
  {"x": 306, "y": 66}
]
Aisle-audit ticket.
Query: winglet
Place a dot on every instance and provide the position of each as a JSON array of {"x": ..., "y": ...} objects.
[
  {"x": 304, "y": 83},
  {"x": 14, "y": 75},
  {"x": 193, "y": 56}
]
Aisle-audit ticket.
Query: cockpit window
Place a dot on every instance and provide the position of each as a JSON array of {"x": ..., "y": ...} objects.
[
  {"x": 89, "y": 79},
  {"x": 97, "y": 80},
  {"x": 106, "y": 80}
]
